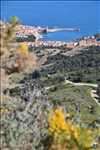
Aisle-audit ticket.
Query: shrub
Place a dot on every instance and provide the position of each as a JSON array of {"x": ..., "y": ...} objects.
[
  {"x": 24, "y": 123},
  {"x": 14, "y": 57},
  {"x": 23, "y": 49},
  {"x": 66, "y": 135}
]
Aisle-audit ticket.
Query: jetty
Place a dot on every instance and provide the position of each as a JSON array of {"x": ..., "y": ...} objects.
[{"x": 62, "y": 29}]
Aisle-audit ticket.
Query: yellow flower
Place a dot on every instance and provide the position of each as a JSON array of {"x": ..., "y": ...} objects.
[
  {"x": 88, "y": 141},
  {"x": 57, "y": 123},
  {"x": 3, "y": 110},
  {"x": 64, "y": 131},
  {"x": 75, "y": 132},
  {"x": 23, "y": 49}
]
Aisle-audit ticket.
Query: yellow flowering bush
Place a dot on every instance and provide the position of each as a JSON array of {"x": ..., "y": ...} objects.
[
  {"x": 23, "y": 49},
  {"x": 57, "y": 123},
  {"x": 26, "y": 60},
  {"x": 66, "y": 135},
  {"x": 3, "y": 110}
]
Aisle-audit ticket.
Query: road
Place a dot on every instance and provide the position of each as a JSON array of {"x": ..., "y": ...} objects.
[
  {"x": 92, "y": 92},
  {"x": 78, "y": 84}
]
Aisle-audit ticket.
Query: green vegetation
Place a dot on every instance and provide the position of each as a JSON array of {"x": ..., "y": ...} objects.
[
  {"x": 7, "y": 35},
  {"x": 76, "y": 100},
  {"x": 67, "y": 135},
  {"x": 90, "y": 75},
  {"x": 29, "y": 97},
  {"x": 28, "y": 38},
  {"x": 54, "y": 79},
  {"x": 82, "y": 67}
]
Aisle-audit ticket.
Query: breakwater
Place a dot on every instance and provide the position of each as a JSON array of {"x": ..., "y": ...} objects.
[{"x": 62, "y": 29}]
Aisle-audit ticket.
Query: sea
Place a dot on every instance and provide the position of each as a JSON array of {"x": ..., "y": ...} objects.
[{"x": 61, "y": 14}]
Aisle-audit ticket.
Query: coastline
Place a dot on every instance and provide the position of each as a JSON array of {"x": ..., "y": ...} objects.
[
  {"x": 51, "y": 34},
  {"x": 39, "y": 40},
  {"x": 82, "y": 42}
]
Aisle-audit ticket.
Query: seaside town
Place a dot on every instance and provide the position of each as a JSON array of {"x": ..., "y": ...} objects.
[
  {"x": 49, "y": 75},
  {"x": 37, "y": 32}
]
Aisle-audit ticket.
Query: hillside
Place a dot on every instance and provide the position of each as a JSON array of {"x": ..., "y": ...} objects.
[
  {"x": 41, "y": 109},
  {"x": 77, "y": 64}
]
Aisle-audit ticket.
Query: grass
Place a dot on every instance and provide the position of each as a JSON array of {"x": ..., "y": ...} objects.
[{"x": 69, "y": 96}]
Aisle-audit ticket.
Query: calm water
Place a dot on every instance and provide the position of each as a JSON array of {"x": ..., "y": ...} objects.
[{"x": 81, "y": 14}]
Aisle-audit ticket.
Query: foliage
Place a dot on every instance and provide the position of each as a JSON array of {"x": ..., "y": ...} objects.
[
  {"x": 25, "y": 122},
  {"x": 7, "y": 43},
  {"x": 26, "y": 61},
  {"x": 24, "y": 119},
  {"x": 14, "y": 57},
  {"x": 23, "y": 49},
  {"x": 66, "y": 135},
  {"x": 7, "y": 34},
  {"x": 84, "y": 66},
  {"x": 3, "y": 110},
  {"x": 24, "y": 109},
  {"x": 28, "y": 38}
]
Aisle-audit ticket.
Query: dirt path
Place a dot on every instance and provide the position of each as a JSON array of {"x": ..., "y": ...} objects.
[
  {"x": 78, "y": 84},
  {"x": 92, "y": 92}
]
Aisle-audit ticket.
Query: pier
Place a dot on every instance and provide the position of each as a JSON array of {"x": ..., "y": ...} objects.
[{"x": 63, "y": 29}]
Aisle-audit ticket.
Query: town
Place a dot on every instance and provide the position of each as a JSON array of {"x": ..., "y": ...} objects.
[
  {"x": 85, "y": 42},
  {"x": 37, "y": 32}
]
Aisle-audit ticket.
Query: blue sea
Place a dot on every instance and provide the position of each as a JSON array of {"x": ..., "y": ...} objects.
[{"x": 63, "y": 14}]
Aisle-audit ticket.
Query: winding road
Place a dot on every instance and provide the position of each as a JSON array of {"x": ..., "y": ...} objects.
[
  {"x": 92, "y": 92},
  {"x": 80, "y": 83}
]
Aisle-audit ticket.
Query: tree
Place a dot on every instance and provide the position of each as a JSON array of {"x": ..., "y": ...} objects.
[
  {"x": 14, "y": 57},
  {"x": 8, "y": 34},
  {"x": 14, "y": 21}
]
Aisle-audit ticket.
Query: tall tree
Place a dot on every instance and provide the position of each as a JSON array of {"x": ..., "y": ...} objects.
[{"x": 8, "y": 34}]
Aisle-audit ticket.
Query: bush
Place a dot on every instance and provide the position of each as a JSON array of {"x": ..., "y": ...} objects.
[
  {"x": 66, "y": 135},
  {"x": 24, "y": 123}
]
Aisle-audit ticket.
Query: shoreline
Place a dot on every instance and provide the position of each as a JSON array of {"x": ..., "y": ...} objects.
[
  {"x": 82, "y": 42},
  {"x": 39, "y": 41}
]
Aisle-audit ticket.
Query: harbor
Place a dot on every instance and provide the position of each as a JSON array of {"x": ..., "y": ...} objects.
[
  {"x": 62, "y": 29},
  {"x": 39, "y": 32}
]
